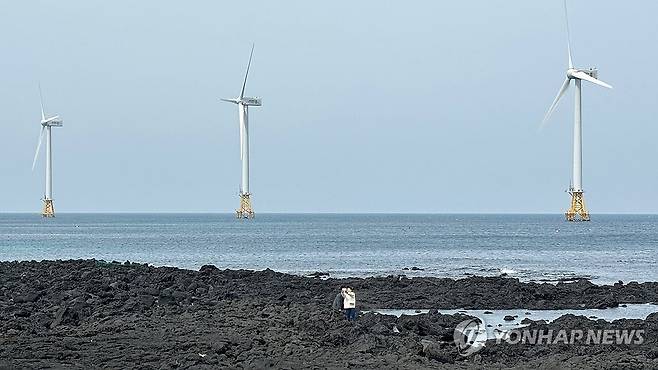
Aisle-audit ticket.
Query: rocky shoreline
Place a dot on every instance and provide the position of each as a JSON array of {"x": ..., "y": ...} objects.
[{"x": 93, "y": 314}]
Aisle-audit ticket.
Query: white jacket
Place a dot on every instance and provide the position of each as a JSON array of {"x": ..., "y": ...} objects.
[{"x": 349, "y": 298}]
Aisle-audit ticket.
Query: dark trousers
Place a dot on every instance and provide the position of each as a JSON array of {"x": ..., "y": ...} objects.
[{"x": 350, "y": 313}]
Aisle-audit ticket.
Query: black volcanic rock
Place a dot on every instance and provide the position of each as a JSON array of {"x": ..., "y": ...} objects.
[{"x": 94, "y": 314}]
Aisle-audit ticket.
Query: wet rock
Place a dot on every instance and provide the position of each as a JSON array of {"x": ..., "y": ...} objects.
[
  {"x": 609, "y": 301},
  {"x": 318, "y": 275},
  {"x": 509, "y": 318},
  {"x": 208, "y": 269}
]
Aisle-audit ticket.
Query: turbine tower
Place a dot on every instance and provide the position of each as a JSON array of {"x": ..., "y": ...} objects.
[
  {"x": 243, "y": 103},
  {"x": 577, "y": 211},
  {"x": 46, "y": 127}
]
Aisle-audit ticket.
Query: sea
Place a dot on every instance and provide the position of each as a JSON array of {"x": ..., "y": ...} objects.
[{"x": 529, "y": 247}]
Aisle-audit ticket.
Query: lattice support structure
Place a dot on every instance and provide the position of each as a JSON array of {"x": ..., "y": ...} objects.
[
  {"x": 245, "y": 210},
  {"x": 578, "y": 211},
  {"x": 48, "y": 208}
]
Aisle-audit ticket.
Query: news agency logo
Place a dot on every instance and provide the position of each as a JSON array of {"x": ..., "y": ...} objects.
[
  {"x": 470, "y": 336},
  {"x": 574, "y": 336}
]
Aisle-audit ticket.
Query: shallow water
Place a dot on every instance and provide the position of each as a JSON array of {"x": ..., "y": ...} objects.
[
  {"x": 530, "y": 247},
  {"x": 497, "y": 322}
]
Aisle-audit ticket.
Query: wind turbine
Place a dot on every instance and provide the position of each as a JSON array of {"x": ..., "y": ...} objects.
[
  {"x": 46, "y": 126},
  {"x": 577, "y": 211},
  {"x": 243, "y": 103}
]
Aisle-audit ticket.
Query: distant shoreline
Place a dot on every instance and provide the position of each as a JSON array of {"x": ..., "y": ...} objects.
[
  {"x": 402, "y": 292},
  {"x": 407, "y": 273}
]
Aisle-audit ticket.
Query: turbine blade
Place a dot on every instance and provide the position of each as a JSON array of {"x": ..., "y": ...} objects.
[
  {"x": 584, "y": 76},
  {"x": 244, "y": 84},
  {"x": 230, "y": 100},
  {"x": 36, "y": 155},
  {"x": 563, "y": 89},
  {"x": 43, "y": 115},
  {"x": 566, "y": 17}
]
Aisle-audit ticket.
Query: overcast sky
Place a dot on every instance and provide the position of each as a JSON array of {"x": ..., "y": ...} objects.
[{"x": 369, "y": 106}]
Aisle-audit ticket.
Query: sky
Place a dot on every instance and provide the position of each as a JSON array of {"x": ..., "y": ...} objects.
[{"x": 369, "y": 106}]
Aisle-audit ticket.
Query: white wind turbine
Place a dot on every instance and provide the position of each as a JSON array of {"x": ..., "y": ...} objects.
[
  {"x": 46, "y": 125},
  {"x": 577, "y": 211},
  {"x": 245, "y": 210}
]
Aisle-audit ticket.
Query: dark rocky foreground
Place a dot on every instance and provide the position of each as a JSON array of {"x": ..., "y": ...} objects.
[{"x": 92, "y": 314}]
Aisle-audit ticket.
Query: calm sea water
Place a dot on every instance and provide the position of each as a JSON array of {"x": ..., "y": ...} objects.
[
  {"x": 530, "y": 247},
  {"x": 495, "y": 319}
]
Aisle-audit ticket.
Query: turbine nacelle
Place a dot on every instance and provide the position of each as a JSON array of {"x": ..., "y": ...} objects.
[
  {"x": 52, "y": 122},
  {"x": 573, "y": 73},
  {"x": 590, "y": 75},
  {"x": 257, "y": 102}
]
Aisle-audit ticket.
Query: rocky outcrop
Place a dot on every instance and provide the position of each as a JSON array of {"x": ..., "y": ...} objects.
[{"x": 93, "y": 314}]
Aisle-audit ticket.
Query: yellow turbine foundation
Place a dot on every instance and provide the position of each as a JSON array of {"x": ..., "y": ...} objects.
[
  {"x": 577, "y": 212},
  {"x": 245, "y": 210},
  {"x": 48, "y": 208}
]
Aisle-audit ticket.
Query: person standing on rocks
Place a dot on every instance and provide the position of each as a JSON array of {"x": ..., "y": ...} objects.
[{"x": 349, "y": 303}]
